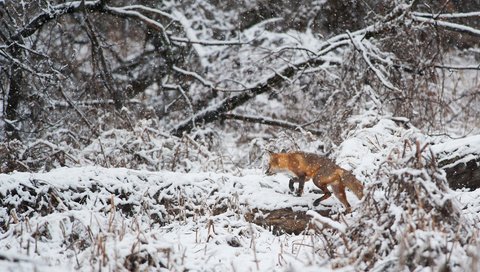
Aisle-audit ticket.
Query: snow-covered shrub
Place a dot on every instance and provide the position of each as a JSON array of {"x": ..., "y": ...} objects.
[
  {"x": 408, "y": 219},
  {"x": 141, "y": 147},
  {"x": 9, "y": 156},
  {"x": 112, "y": 219},
  {"x": 147, "y": 148}
]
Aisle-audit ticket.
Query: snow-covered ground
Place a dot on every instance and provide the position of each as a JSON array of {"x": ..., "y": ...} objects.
[
  {"x": 114, "y": 219},
  {"x": 81, "y": 227},
  {"x": 85, "y": 231}
]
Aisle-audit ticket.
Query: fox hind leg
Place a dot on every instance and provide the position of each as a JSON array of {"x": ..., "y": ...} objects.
[
  {"x": 326, "y": 194},
  {"x": 335, "y": 180},
  {"x": 339, "y": 191}
]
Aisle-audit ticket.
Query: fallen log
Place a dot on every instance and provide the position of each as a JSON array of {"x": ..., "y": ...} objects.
[
  {"x": 461, "y": 161},
  {"x": 284, "y": 220}
]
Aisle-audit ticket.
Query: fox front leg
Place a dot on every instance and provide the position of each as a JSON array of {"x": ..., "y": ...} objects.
[
  {"x": 301, "y": 184},
  {"x": 291, "y": 183}
]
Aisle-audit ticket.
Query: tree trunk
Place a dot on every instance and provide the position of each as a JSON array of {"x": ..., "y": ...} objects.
[{"x": 14, "y": 97}]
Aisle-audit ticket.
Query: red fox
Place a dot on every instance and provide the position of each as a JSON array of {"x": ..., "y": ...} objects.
[{"x": 323, "y": 172}]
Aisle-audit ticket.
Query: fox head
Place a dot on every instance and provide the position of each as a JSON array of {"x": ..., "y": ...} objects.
[{"x": 273, "y": 164}]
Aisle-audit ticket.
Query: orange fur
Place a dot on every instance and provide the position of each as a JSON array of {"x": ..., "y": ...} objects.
[{"x": 323, "y": 172}]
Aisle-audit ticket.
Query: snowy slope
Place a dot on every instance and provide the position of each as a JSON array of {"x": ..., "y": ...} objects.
[{"x": 80, "y": 214}]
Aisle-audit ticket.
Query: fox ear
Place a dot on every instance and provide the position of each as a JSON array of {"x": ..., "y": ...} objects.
[{"x": 283, "y": 150}]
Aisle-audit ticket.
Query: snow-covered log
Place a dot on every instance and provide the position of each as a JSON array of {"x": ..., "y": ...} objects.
[{"x": 461, "y": 161}]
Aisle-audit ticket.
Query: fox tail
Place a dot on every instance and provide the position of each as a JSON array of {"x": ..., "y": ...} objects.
[{"x": 352, "y": 183}]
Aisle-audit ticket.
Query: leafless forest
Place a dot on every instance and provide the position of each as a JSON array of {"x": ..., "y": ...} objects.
[
  {"x": 75, "y": 74},
  {"x": 203, "y": 86}
]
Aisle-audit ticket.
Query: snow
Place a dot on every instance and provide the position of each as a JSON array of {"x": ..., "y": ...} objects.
[
  {"x": 185, "y": 242},
  {"x": 322, "y": 220},
  {"x": 448, "y": 25},
  {"x": 94, "y": 218}
]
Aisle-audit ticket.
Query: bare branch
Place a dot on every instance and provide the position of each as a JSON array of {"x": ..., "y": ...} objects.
[
  {"x": 448, "y": 15},
  {"x": 358, "y": 44},
  {"x": 453, "y": 67},
  {"x": 53, "y": 13},
  {"x": 207, "y": 42},
  {"x": 450, "y": 26},
  {"x": 271, "y": 122},
  {"x": 215, "y": 112}
]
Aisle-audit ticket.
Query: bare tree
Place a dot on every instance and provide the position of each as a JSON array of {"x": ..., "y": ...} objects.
[{"x": 84, "y": 67}]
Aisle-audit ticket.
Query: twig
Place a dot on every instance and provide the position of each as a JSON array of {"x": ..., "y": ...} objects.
[
  {"x": 80, "y": 113},
  {"x": 361, "y": 48},
  {"x": 253, "y": 244}
]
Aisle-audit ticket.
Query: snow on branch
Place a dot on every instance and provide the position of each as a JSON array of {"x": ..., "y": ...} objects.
[
  {"x": 456, "y": 67},
  {"x": 320, "y": 221},
  {"x": 195, "y": 75},
  {"x": 53, "y": 13},
  {"x": 197, "y": 44},
  {"x": 205, "y": 82},
  {"x": 24, "y": 66},
  {"x": 271, "y": 122},
  {"x": 207, "y": 42},
  {"x": 123, "y": 11},
  {"x": 153, "y": 10},
  {"x": 450, "y": 26},
  {"x": 448, "y": 15},
  {"x": 216, "y": 112},
  {"x": 360, "y": 46}
]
